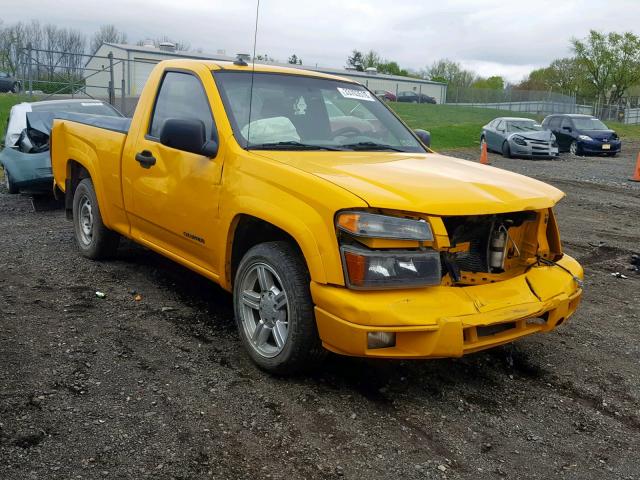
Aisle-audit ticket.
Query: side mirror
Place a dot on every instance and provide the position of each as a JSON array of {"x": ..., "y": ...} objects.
[
  {"x": 568, "y": 129},
  {"x": 424, "y": 136},
  {"x": 189, "y": 135}
]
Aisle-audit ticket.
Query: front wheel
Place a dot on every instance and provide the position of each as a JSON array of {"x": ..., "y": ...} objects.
[
  {"x": 94, "y": 240},
  {"x": 574, "y": 148},
  {"x": 506, "y": 150},
  {"x": 274, "y": 310},
  {"x": 16, "y": 88},
  {"x": 11, "y": 187}
]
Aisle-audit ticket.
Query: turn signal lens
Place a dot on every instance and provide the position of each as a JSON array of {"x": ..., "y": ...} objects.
[{"x": 365, "y": 224}]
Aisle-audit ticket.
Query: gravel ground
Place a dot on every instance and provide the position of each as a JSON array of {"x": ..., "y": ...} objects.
[{"x": 151, "y": 381}]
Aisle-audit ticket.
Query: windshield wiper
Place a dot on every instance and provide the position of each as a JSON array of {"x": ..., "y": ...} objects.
[
  {"x": 291, "y": 145},
  {"x": 371, "y": 146}
]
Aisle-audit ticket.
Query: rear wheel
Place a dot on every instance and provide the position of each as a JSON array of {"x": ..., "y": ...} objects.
[
  {"x": 11, "y": 187},
  {"x": 506, "y": 150},
  {"x": 94, "y": 240},
  {"x": 15, "y": 88},
  {"x": 274, "y": 310}
]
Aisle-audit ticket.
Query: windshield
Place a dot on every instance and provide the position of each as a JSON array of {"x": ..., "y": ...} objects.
[
  {"x": 523, "y": 126},
  {"x": 585, "y": 123},
  {"x": 95, "y": 108},
  {"x": 298, "y": 112}
]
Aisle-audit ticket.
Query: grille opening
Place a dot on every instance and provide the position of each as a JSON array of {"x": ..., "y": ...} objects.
[
  {"x": 488, "y": 330},
  {"x": 476, "y": 231}
]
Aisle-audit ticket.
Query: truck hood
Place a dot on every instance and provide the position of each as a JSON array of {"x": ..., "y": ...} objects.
[{"x": 424, "y": 183}]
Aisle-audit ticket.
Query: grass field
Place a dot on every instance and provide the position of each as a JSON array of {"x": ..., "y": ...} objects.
[{"x": 451, "y": 127}]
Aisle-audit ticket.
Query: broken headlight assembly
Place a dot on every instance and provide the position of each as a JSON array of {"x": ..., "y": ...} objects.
[
  {"x": 373, "y": 225},
  {"x": 368, "y": 268}
]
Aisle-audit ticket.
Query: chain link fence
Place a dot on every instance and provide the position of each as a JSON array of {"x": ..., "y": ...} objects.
[{"x": 50, "y": 74}]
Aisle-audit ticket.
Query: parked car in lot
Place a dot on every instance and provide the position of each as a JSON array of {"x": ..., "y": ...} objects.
[
  {"x": 583, "y": 134},
  {"x": 519, "y": 137},
  {"x": 415, "y": 97},
  {"x": 8, "y": 83},
  {"x": 385, "y": 95},
  {"x": 25, "y": 158},
  {"x": 361, "y": 241}
]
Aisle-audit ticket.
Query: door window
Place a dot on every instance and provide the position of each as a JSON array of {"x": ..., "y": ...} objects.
[
  {"x": 182, "y": 96},
  {"x": 500, "y": 126},
  {"x": 566, "y": 122},
  {"x": 554, "y": 123}
]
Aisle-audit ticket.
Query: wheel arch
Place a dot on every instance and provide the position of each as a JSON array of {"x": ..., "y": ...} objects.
[
  {"x": 76, "y": 171},
  {"x": 249, "y": 229}
]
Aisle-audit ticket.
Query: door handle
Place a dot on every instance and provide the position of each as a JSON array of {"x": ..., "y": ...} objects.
[{"x": 145, "y": 159}]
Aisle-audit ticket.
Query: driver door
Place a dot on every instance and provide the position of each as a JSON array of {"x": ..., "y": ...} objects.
[{"x": 172, "y": 195}]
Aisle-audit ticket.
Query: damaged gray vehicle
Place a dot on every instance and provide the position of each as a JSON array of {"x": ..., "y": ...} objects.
[
  {"x": 519, "y": 137},
  {"x": 25, "y": 158}
]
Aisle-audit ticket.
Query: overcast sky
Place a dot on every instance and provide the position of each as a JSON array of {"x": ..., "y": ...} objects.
[{"x": 492, "y": 37}]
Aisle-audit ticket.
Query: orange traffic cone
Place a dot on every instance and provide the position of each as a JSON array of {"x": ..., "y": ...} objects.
[
  {"x": 484, "y": 159},
  {"x": 636, "y": 172}
]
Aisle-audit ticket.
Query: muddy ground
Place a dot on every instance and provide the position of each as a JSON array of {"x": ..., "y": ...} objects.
[{"x": 117, "y": 388}]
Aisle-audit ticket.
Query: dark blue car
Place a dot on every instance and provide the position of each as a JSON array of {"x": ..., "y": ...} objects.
[
  {"x": 25, "y": 158},
  {"x": 583, "y": 135}
]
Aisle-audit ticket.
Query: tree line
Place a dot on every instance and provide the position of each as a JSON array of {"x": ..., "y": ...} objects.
[
  {"x": 604, "y": 67},
  {"x": 58, "y": 54}
]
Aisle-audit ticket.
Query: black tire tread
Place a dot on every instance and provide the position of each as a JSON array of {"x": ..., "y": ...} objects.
[
  {"x": 11, "y": 186},
  {"x": 307, "y": 348},
  {"x": 105, "y": 242},
  {"x": 506, "y": 153}
]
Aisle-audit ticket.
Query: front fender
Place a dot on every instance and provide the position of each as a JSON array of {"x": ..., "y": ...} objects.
[{"x": 282, "y": 218}]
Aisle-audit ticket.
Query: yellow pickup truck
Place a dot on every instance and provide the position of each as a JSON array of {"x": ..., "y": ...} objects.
[{"x": 333, "y": 224}]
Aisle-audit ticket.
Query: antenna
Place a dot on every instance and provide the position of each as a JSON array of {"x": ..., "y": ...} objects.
[{"x": 253, "y": 71}]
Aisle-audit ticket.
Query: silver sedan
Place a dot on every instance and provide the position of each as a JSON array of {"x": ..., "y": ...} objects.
[{"x": 519, "y": 137}]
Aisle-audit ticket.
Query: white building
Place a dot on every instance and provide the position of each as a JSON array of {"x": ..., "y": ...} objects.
[{"x": 132, "y": 65}]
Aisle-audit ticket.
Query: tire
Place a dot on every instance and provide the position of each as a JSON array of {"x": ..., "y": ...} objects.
[
  {"x": 11, "y": 187},
  {"x": 506, "y": 150},
  {"x": 15, "y": 88},
  {"x": 274, "y": 310},
  {"x": 574, "y": 148},
  {"x": 94, "y": 240}
]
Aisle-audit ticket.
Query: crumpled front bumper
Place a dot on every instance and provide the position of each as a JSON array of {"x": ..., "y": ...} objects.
[
  {"x": 28, "y": 170},
  {"x": 534, "y": 149},
  {"x": 440, "y": 321}
]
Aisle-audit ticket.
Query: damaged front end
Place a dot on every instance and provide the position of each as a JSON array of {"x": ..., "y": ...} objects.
[
  {"x": 488, "y": 248},
  {"x": 445, "y": 286},
  {"x": 28, "y": 162},
  {"x": 414, "y": 251}
]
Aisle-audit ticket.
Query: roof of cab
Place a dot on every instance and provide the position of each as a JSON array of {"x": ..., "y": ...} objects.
[{"x": 258, "y": 67}]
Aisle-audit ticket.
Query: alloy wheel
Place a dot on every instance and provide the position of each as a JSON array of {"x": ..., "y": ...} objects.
[
  {"x": 264, "y": 310},
  {"x": 573, "y": 148}
]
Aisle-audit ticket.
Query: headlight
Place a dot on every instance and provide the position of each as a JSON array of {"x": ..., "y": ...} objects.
[
  {"x": 519, "y": 140},
  {"x": 586, "y": 138},
  {"x": 363, "y": 224},
  {"x": 553, "y": 137},
  {"x": 370, "y": 269}
]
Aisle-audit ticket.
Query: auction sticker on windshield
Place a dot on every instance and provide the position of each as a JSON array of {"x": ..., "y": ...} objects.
[{"x": 356, "y": 94}]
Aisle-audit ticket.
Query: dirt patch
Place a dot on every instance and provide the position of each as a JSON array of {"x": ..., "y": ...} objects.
[{"x": 160, "y": 387}]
